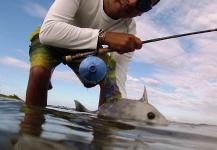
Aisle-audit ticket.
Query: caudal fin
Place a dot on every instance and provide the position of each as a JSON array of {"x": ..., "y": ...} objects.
[{"x": 79, "y": 107}]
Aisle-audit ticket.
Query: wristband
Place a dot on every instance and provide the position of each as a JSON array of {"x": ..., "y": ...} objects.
[{"x": 101, "y": 36}]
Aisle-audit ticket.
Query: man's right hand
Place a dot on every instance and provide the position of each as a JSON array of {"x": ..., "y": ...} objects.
[{"x": 122, "y": 42}]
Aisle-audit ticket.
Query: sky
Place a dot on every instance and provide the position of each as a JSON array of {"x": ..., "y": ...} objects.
[{"x": 180, "y": 74}]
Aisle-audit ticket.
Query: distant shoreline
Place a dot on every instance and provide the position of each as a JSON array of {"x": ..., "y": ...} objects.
[{"x": 11, "y": 97}]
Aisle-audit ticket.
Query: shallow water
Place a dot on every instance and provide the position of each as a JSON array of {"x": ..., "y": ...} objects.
[{"x": 55, "y": 128}]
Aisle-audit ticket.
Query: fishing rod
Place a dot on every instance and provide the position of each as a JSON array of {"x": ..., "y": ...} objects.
[
  {"x": 93, "y": 69},
  {"x": 178, "y": 35},
  {"x": 70, "y": 58}
]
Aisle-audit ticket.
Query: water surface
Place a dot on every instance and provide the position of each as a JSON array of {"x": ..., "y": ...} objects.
[{"x": 59, "y": 128}]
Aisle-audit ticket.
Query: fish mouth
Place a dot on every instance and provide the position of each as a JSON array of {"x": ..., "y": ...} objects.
[
  {"x": 158, "y": 124},
  {"x": 161, "y": 122},
  {"x": 165, "y": 123}
]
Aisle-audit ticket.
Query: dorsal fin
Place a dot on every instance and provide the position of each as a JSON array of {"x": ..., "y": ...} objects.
[
  {"x": 144, "y": 97},
  {"x": 79, "y": 107}
]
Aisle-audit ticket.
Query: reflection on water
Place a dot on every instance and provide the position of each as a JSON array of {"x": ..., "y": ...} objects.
[{"x": 25, "y": 128}]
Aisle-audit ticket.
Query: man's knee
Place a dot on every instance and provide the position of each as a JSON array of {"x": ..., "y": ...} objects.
[{"x": 40, "y": 75}]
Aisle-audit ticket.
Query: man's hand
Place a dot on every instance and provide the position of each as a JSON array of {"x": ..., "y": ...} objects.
[{"x": 122, "y": 42}]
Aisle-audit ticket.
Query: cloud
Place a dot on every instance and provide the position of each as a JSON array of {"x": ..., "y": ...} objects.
[
  {"x": 151, "y": 82},
  {"x": 35, "y": 9},
  {"x": 65, "y": 75},
  {"x": 22, "y": 52},
  {"x": 130, "y": 78},
  {"x": 10, "y": 61},
  {"x": 62, "y": 75},
  {"x": 201, "y": 15}
]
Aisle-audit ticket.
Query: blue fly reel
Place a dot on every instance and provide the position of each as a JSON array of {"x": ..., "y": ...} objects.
[{"x": 92, "y": 70}]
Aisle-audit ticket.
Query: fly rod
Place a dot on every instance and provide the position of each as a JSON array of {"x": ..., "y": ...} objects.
[
  {"x": 68, "y": 59},
  {"x": 178, "y": 35}
]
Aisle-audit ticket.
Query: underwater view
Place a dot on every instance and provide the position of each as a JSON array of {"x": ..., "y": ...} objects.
[{"x": 61, "y": 128}]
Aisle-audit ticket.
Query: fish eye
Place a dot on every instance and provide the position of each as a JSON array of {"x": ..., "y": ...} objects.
[{"x": 151, "y": 115}]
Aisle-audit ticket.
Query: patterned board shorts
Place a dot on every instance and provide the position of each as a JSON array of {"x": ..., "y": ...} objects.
[{"x": 50, "y": 57}]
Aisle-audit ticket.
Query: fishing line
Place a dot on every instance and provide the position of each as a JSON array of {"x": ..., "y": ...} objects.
[
  {"x": 163, "y": 60},
  {"x": 176, "y": 96},
  {"x": 168, "y": 59}
]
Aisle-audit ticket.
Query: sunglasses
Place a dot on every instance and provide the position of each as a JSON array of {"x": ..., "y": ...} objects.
[{"x": 145, "y": 5}]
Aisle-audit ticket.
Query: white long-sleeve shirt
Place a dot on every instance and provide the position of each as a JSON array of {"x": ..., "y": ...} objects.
[{"x": 75, "y": 24}]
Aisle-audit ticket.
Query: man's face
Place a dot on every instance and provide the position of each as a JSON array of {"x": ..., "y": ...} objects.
[{"x": 132, "y": 8}]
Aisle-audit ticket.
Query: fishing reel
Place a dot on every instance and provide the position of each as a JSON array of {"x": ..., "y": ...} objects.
[{"x": 92, "y": 69}]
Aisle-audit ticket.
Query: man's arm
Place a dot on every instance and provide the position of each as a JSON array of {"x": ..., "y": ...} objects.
[{"x": 57, "y": 29}]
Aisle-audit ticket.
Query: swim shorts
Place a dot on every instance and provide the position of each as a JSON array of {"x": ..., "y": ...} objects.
[{"x": 50, "y": 57}]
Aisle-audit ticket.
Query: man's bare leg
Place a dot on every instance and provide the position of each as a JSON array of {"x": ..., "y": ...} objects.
[{"x": 36, "y": 93}]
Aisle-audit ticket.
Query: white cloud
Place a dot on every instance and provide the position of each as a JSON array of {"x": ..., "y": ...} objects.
[
  {"x": 65, "y": 75},
  {"x": 22, "y": 52},
  {"x": 129, "y": 78},
  {"x": 151, "y": 82},
  {"x": 10, "y": 61},
  {"x": 35, "y": 9}
]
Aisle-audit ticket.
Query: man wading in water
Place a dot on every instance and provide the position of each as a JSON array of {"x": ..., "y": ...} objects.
[{"x": 73, "y": 26}]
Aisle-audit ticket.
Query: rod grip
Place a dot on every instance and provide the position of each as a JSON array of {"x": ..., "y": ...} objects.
[
  {"x": 105, "y": 50},
  {"x": 68, "y": 59}
]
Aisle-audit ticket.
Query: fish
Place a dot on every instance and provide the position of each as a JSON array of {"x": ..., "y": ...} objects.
[{"x": 128, "y": 109}]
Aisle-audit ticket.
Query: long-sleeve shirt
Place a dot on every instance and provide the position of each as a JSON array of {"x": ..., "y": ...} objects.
[{"x": 75, "y": 24}]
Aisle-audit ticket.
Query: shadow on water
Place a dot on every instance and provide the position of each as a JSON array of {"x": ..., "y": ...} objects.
[{"x": 55, "y": 128}]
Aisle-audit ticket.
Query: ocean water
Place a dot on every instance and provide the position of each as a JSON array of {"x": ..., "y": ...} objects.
[{"x": 59, "y": 128}]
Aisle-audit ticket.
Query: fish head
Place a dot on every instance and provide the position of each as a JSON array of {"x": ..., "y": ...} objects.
[{"x": 150, "y": 114}]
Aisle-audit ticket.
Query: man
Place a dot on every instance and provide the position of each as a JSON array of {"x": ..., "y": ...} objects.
[{"x": 72, "y": 26}]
